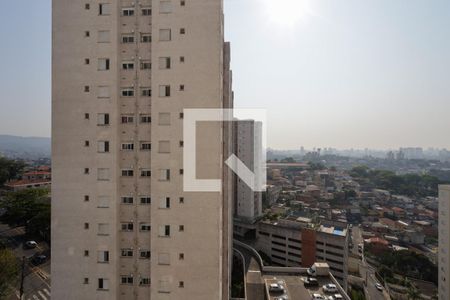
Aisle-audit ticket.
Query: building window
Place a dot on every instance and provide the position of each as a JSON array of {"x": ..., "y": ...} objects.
[
  {"x": 86, "y": 280},
  {"x": 103, "y": 64},
  {"x": 181, "y": 228},
  {"x": 86, "y": 170},
  {"x": 86, "y": 225},
  {"x": 103, "y": 256},
  {"x": 86, "y": 116},
  {"x": 87, "y": 61},
  {"x": 164, "y": 175},
  {"x": 144, "y": 281},
  {"x": 103, "y": 174},
  {"x": 86, "y": 88},
  {"x": 128, "y": 65},
  {"x": 181, "y": 200},
  {"x": 126, "y": 279},
  {"x": 87, "y": 33},
  {"x": 103, "y": 146},
  {"x": 181, "y": 284},
  {"x": 127, "y": 146},
  {"x": 164, "y": 119},
  {"x": 86, "y": 143},
  {"x": 102, "y": 119},
  {"x": 126, "y": 252},
  {"x": 146, "y": 11},
  {"x": 103, "y": 201},
  {"x": 145, "y": 118},
  {"x": 145, "y": 254},
  {"x": 164, "y": 203},
  {"x": 182, "y": 3},
  {"x": 146, "y": 92},
  {"x": 86, "y": 252},
  {"x": 103, "y": 92},
  {"x": 103, "y": 36},
  {"x": 128, "y": 226},
  {"x": 127, "y": 39},
  {"x": 165, "y": 7},
  {"x": 181, "y": 171},
  {"x": 145, "y": 227},
  {"x": 146, "y": 38},
  {"x": 146, "y": 173},
  {"x": 127, "y": 119},
  {"x": 103, "y": 229},
  {"x": 181, "y": 87},
  {"x": 181, "y": 256},
  {"x": 127, "y": 92},
  {"x": 104, "y": 9},
  {"x": 165, "y": 35},
  {"x": 164, "y": 91},
  {"x": 181, "y": 115},
  {"x": 164, "y": 63},
  {"x": 103, "y": 284},
  {"x": 164, "y": 147},
  {"x": 127, "y": 200},
  {"x": 146, "y": 200},
  {"x": 127, "y": 173},
  {"x": 86, "y": 198},
  {"x": 146, "y": 146},
  {"x": 182, "y": 31},
  {"x": 87, "y": 6},
  {"x": 164, "y": 231},
  {"x": 146, "y": 65},
  {"x": 181, "y": 143},
  {"x": 127, "y": 12},
  {"x": 181, "y": 59}
]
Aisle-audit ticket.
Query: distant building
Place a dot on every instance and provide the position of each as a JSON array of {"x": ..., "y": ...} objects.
[
  {"x": 300, "y": 243},
  {"x": 31, "y": 179},
  {"x": 444, "y": 242}
]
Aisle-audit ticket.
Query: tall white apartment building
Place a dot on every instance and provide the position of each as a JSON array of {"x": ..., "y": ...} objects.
[
  {"x": 444, "y": 242},
  {"x": 248, "y": 147},
  {"x": 122, "y": 226}
]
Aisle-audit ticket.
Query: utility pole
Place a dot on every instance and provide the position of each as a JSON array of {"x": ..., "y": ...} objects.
[{"x": 22, "y": 277}]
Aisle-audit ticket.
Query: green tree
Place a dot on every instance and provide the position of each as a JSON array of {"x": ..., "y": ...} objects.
[
  {"x": 9, "y": 271},
  {"x": 10, "y": 169},
  {"x": 413, "y": 293}
]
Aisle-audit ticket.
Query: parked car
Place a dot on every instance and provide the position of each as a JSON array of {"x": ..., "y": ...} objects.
[
  {"x": 316, "y": 296},
  {"x": 276, "y": 288},
  {"x": 379, "y": 286},
  {"x": 310, "y": 281},
  {"x": 330, "y": 288},
  {"x": 30, "y": 244},
  {"x": 336, "y": 297},
  {"x": 284, "y": 297},
  {"x": 38, "y": 259}
]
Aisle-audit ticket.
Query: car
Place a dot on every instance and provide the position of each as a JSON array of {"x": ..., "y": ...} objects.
[
  {"x": 379, "y": 286},
  {"x": 330, "y": 288},
  {"x": 276, "y": 288},
  {"x": 284, "y": 297},
  {"x": 30, "y": 244},
  {"x": 38, "y": 259},
  {"x": 310, "y": 281},
  {"x": 317, "y": 296},
  {"x": 336, "y": 297},
  {"x": 311, "y": 272}
]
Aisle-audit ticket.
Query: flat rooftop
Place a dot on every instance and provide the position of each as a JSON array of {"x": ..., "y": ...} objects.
[{"x": 295, "y": 288}]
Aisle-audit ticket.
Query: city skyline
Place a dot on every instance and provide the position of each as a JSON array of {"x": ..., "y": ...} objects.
[{"x": 333, "y": 55}]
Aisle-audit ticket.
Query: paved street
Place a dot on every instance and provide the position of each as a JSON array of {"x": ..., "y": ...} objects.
[{"x": 37, "y": 278}]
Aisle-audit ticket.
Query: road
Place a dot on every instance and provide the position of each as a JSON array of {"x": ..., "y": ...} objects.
[
  {"x": 367, "y": 272},
  {"x": 37, "y": 278}
]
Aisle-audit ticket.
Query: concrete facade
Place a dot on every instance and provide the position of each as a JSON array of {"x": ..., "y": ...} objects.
[
  {"x": 294, "y": 244},
  {"x": 444, "y": 242},
  {"x": 122, "y": 226}
]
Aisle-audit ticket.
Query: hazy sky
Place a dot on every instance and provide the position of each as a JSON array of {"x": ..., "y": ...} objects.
[{"x": 344, "y": 74}]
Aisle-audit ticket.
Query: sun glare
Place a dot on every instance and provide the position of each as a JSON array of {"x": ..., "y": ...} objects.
[{"x": 287, "y": 12}]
